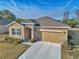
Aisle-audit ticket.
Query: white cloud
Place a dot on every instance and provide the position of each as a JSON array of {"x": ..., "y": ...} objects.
[{"x": 29, "y": 11}]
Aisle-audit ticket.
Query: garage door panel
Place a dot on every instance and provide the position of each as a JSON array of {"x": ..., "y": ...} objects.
[{"x": 52, "y": 36}]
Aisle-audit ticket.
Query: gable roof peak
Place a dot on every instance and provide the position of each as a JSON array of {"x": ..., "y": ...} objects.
[
  {"x": 46, "y": 17},
  {"x": 13, "y": 23}
]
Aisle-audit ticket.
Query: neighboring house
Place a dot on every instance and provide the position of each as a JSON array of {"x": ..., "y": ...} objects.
[
  {"x": 43, "y": 28},
  {"x": 3, "y": 25}
]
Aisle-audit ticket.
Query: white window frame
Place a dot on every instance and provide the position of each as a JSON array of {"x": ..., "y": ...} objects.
[{"x": 16, "y": 31}]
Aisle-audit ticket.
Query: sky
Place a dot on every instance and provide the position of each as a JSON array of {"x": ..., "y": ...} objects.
[{"x": 39, "y": 8}]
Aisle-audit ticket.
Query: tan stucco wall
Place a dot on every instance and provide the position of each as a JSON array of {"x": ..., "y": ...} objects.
[
  {"x": 15, "y": 25},
  {"x": 26, "y": 31},
  {"x": 53, "y": 35}
]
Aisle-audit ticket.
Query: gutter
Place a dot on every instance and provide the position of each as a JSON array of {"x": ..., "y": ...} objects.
[{"x": 50, "y": 27}]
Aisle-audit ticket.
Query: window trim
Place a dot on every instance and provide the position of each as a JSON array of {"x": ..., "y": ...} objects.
[{"x": 17, "y": 31}]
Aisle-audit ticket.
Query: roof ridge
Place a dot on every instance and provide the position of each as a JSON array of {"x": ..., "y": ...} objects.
[{"x": 52, "y": 21}]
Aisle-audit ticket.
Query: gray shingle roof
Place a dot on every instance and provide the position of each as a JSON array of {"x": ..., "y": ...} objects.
[
  {"x": 45, "y": 22},
  {"x": 28, "y": 21},
  {"x": 48, "y": 21}
]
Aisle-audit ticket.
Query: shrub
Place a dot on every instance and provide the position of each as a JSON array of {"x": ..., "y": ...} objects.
[
  {"x": 17, "y": 40},
  {"x": 32, "y": 40},
  {"x": 8, "y": 39},
  {"x": 12, "y": 40}
]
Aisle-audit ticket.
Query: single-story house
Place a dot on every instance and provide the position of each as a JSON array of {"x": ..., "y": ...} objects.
[
  {"x": 3, "y": 25},
  {"x": 43, "y": 28}
]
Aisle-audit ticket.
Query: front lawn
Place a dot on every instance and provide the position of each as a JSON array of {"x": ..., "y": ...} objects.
[
  {"x": 11, "y": 51},
  {"x": 70, "y": 53},
  {"x": 2, "y": 36}
]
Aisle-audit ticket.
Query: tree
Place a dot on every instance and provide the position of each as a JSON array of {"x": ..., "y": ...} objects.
[
  {"x": 7, "y": 15},
  {"x": 71, "y": 22},
  {"x": 19, "y": 20}
]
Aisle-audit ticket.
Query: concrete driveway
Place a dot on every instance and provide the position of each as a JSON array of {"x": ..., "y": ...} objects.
[{"x": 43, "y": 50}]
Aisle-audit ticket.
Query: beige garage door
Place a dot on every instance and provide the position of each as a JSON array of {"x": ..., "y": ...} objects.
[{"x": 53, "y": 36}]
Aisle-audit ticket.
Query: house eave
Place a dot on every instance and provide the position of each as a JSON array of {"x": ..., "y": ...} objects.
[
  {"x": 12, "y": 23},
  {"x": 29, "y": 23},
  {"x": 50, "y": 27}
]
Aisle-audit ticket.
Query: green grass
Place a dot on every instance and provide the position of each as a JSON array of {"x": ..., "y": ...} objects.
[{"x": 11, "y": 51}]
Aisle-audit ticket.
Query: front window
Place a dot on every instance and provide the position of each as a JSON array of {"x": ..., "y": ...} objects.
[{"x": 16, "y": 31}]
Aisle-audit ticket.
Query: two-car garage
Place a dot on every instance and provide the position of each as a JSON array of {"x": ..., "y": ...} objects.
[{"x": 52, "y": 35}]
